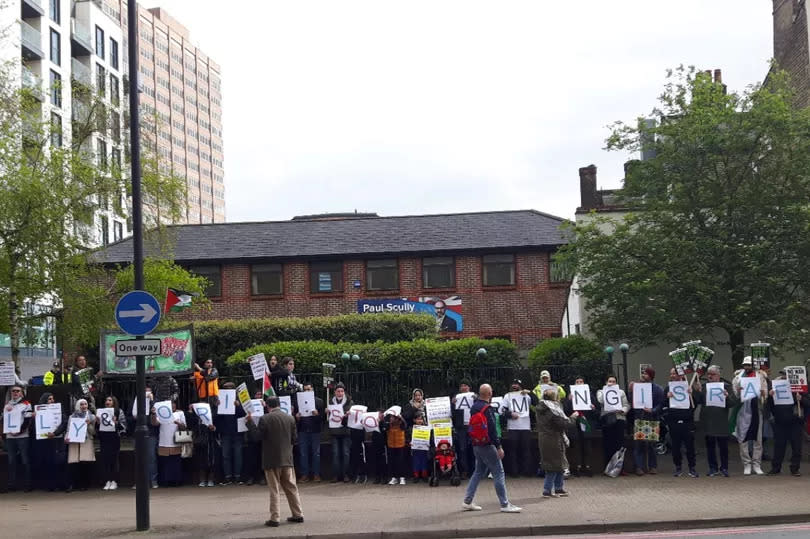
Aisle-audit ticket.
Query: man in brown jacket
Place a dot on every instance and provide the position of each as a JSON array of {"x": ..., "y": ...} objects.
[{"x": 276, "y": 430}]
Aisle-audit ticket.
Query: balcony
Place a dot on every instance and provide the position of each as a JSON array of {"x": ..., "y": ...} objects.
[
  {"x": 81, "y": 42},
  {"x": 80, "y": 73},
  {"x": 32, "y": 83},
  {"x": 31, "y": 41},
  {"x": 31, "y": 9}
]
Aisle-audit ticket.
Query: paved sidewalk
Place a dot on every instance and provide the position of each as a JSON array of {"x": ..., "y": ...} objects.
[{"x": 596, "y": 505}]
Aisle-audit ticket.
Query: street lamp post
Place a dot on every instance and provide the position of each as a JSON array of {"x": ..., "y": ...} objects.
[{"x": 624, "y": 348}]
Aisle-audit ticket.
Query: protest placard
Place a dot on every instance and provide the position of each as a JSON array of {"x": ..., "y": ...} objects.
[
  {"x": 420, "y": 437},
  {"x": 464, "y": 401},
  {"x": 285, "y": 403},
  {"x": 612, "y": 399},
  {"x": 148, "y": 406},
  {"x": 85, "y": 378},
  {"x": 306, "y": 402},
  {"x": 680, "y": 359},
  {"x": 438, "y": 410},
  {"x": 7, "y": 377},
  {"x": 496, "y": 403},
  {"x": 328, "y": 373},
  {"x": 715, "y": 394},
  {"x": 761, "y": 354},
  {"x": 355, "y": 415},
  {"x": 163, "y": 411},
  {"x": 258, "y": 365},
  {"x": 106, "y": 419},
  {"x": 517, "y": 403},
  {"x": 203, "y": 411},
  {"x": 781, "y": 393},
  {"x": 750, "y": 388},
  {"x": 371, "y": 421},
  {"x": 12, "y": 420},
  {"x": 77, "y": 430},
  {"x": 680, "y": 395},
  {"x": 242, "y": 393},
  {"x": 254, "y": 407},
  {"x": 442, "y": 431},
  {"x": 227, "y": 402},
  {"x": 581, "y": 397},
  {"x": 642, "y": 395},
  {"x": 797, "y": 376},
  {"x": 48, "y": 419},
  {"x": 394, "y": 410},
  {"x": 335, "y": 415},
  {"x": 241, "y": 424}
]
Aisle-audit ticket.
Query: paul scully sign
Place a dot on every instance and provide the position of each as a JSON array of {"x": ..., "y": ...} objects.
[
  {"x": 447, "y": 311},
  {"x": 385, "y": 306}
]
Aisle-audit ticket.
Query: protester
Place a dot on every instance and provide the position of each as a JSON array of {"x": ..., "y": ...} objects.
[
  {"x": 395, "y": 428},
  {"x": 552, "y": 423},
  {"x": 488, "y": 452},
  {"x": 110, "y": 442},
  {"x": 750, "y": 419},
  {"x": 643, "y": 451},
  {"x": 416, "y": 404},
  {"x": 789, "y": 423},
  {"x": 545, "y": 380},
  {"x": 613, "y": 423},
  {"x": 83, "y": 391},
  {"x": 231, "y": 441},
  {"x": 518, "y": 439},
  {"x": 206, "y": 443},
  {"x": 277, "y": 433},
  {"x": 576, "y": 433},
  {"x": 171, "y": 470},
  {"x": 461, "y": 418},
  {"x": 51, "y": 458},
  {"x": 715, "y": 423},
  {"x": 420, "y": 458},
  {"x": 152, "y": 439},
  {"x": 82, "y": 455},
  {"x": 376, "y": 462},
  {"x": 252, "y": 470},
  {"x": 357, "y": 455},
  {"x": 309, "y": 440},
  {"x": 284, "y": 381},
  {"x": 18, "y": 444},
  {"x": 206, "y": 381},
  {"x": 681, "y": 425},
  {"x": 59, "y": 374},
  {"x": 340, "y": 437},
  {"x": 165, "y": 388}
]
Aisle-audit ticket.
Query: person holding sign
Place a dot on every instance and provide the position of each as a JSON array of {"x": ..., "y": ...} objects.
[
  {"x": 396, "y": 447},
  {"x": 552, "y": 422},
  {"x": 420, "y": 452},
  {"x": 81, "y": 450},
  {"x": 643, "y": 450},
  {"x": 545, "y": 382},
  {"x": 284, "y": 381},
  {"x": 229, "y": 436},
  {"x": 206, "y": 442},
  {"x": 50, "y": 426},
  {"x": 580, "y": 400},
  {"x": 111, "y": 424},
  {"x": 751, "y": 387},
  {"x": 309, "y": 413},
  {"x": 613, "y": 416},
  {"x": 717, "y": 399},
  {"x": 17, "y": 414},
  {"x": 460, "y": 406},
  {"x": 171, "y": 470},
  {"x": 517, "y": 442},
  {"x": 788, "y": 410},
  {"x": 339, "y": 433},
  {"x": 680, "y": 414}
]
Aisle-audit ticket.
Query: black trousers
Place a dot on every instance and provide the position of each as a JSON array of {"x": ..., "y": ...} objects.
[
  {"x": 721, "y": 442},
  {"x": 612, "y": 439},
  {"x": 518, "y": 452},
  {"x": 397, "y": 465},
  {"x": 110, "y": 448},
  {"x": 682, "y": 433},
  {"x": 782, "y": 435},
  {"x": 357, "y": 454}
]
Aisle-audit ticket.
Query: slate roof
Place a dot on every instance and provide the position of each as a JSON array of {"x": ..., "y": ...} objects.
[{"x": 352, "y": 237}]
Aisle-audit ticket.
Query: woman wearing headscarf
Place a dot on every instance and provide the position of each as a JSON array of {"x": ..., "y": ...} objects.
[
  {"x": 171, "y": 470},
  {"x": 51, "y": 451},
  {"x": 111, "y": 443},
  {"x": 551, "y": 426},
  {"x": 81, "y": 456},
  {"x": 416, "y": 404}
]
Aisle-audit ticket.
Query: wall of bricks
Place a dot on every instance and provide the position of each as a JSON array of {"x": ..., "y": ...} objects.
[
  {"x": 790, "y": 45},
  {"x": 526, "y": 313}
]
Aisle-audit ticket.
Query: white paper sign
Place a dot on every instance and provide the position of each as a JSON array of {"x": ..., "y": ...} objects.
[
  {"x": 203, "y": 411},
  {"x": 680, "y": 395},
  {"x": 335, "y": 415},
  {"x": 258, "y": 365},
  {"x": 371, "y": 421},
  {"x": 642, "y": 395},
  {"x": 148, "y": 405},
  {"x": 166, "y": 435},
  {"x": 285, "y": 403},
  {"x": 48, "y": 419},
  {"x": 439, "y": 410},
  {"x": 241, "y": 424},
  {"x": 306, "y": 402},
  {"x": 355, "y": 415},
  {"x": 7, "y": 377},
  {"x": 12, "y": 420},
  {"x": 163, "y": 411},
  {"x": 227, "y": 402},
  {"x": 581, "y": 397},
  {"x": 797, "y": 376},
  {"x": 782, "y": 394},
  {"x": 612, "y": 399},
  {"x": 77, "y": 430},
  {"x": 750, "y": 388},
  {"x": 106, "y": 419},
  {"x": 255, "y": 408},
  {"x": 394, "y": 410},
  {"x": 464, "y": 401},
  {"x": 715, "y": 394},
  {"x": 518, "y": 403},
  {"x": 496, "y": 403}
]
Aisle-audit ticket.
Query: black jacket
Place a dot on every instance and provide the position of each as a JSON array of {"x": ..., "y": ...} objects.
[
  {"x": 313, "y": 423},
  {"x": 479, "y": 405},
  {"x": 227, "y": 425},
  {"x": 785, "y": 415}
]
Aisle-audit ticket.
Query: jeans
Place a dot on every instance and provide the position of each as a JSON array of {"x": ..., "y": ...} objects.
[
  {"x": 18, "y": 457},
  {"x": 645, "y": 451},
  {"x": 341, "y": 445},
  {"x": 486, "y": 460},
  {"x": 309, "y": 447},
  {"x": 722, "y": 445},
  {"x": 232, "y": 456},
  {"x": 553, "y": 480},
  {"x": 152, "y": 448}
]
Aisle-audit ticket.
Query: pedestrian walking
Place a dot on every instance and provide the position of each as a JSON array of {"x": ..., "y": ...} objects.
[{"x": 551, "y": 426}]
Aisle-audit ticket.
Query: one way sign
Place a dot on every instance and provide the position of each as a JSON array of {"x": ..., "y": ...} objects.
[{"x": 143, "y": 347}]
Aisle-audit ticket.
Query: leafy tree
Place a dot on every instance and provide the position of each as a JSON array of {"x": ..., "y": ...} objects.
[
  {"x": 581, "y": 353},
  {"x": 718, "y": 235}
]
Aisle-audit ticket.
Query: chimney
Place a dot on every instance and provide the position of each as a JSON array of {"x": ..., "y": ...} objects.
[
  {"x": 589, "y": 197},
  {"x": 718, "y": 76}
]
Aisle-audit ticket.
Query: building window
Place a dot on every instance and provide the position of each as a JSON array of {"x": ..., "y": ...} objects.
[
  {"x": 56, "y": 47},
  {"x": 115, "y": 159},
  {"x": 99, "y": 42},
  {"x": 113, "y": 53},
  {"x": 115, "y": 96},
  {"x": 56, "y": 89},
  {"x": 102, "y": 154},
  {"x": 266, "y": 280},
  {"x": 499, "y": 270},
  {"x": 56, "y": 130},
  {"x": 105, "y": 230},
  {"x": 325, "y": 277},
  {"x": 560, "y": 272},
  {"x": 118, "y": 230},
  {"x": 382, "y": 274},
  {"x": 101, "y": 80},
  {"x": 438, "y": 272},
  {"x": 214, "y": 276},
  {"x": 56, "y": 11}
]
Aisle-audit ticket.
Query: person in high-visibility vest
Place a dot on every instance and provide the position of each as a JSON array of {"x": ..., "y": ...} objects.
[{"x": 56, "y": 376}]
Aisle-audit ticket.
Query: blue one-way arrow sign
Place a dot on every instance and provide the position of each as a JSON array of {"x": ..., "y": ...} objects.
[{"x": 137, "y": 313}]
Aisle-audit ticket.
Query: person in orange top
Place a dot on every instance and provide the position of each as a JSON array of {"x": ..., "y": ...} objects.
[
  {"x": 396, "y": 446},
  {"x": 206, "y": 380}
]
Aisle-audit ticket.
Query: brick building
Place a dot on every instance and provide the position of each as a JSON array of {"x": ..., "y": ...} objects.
[
  {"x": 493, "y": 269},
  {"x": 790, "y": 45}
]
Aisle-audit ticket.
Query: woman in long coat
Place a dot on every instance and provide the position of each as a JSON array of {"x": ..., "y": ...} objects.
[{"x": 551, "y": 425}]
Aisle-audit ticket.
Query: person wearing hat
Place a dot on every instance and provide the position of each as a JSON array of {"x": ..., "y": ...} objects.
[
  {"x": 788, "y": 426},
  {"x": 750, "y": 419},
  {"x": 59, "y": 374},
  {"x": 545, "y": 380},
  {"x": 517, "y": 442},
  {"x": 461, "y": 419},
  {"x": 643, "y": 451}
]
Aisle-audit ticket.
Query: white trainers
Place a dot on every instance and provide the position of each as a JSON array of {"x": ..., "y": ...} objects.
[
  {"x": 113, "y": 485},
  {"x": 202, "y": 484},
  {"x": 401, "y": 480},
  {"x": 510, "y": 509},
  {"x": 758, "y": 469},
  {"x": 107, "y": 485},
  {"x": 747, "y": 469},
  {"x": 470, "y": 507},
  {"x": 393, "y": 481},
  {"x": 211, "y": 484}
]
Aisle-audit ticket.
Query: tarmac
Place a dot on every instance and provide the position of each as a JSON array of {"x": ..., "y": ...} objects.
[{"x": 333, "y": 511}]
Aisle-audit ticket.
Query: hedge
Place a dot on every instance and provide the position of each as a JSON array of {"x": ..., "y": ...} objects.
[
  {"x": 219, "y": 339},
  {"x": 585, "y": 357},
  {"x": 382, "y": 356}
]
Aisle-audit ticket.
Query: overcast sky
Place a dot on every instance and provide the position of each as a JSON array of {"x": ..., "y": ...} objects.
[{"x": 415, "y": 107}]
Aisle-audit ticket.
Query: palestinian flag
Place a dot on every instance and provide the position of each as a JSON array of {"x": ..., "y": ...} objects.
[
  {"x": 584, "y": 424},
  {"x": 177, "y": 300},
  {"x": 267, "y": 387}
]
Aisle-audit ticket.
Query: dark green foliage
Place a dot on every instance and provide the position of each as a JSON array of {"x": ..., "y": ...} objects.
[{"x": 585, "y": 356}]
